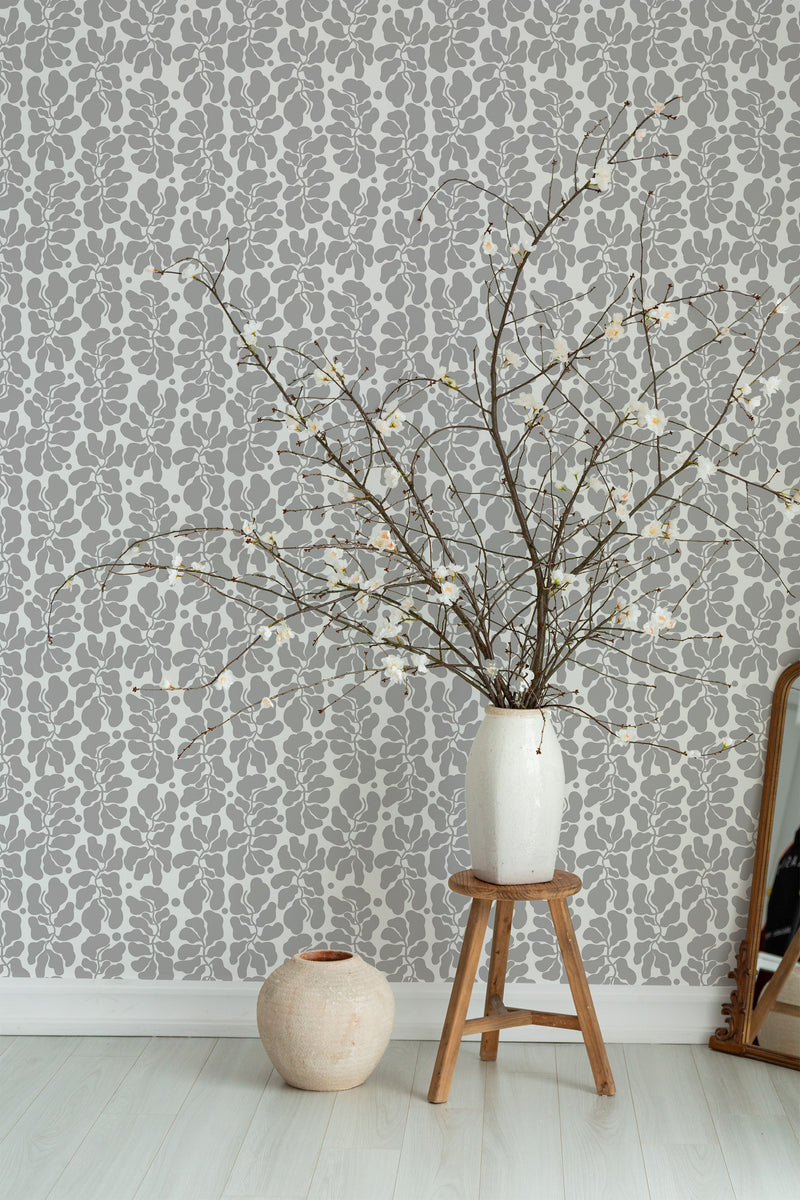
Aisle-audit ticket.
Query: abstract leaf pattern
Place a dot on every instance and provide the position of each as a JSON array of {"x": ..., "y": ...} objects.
[{"x": 133, "y": 133}]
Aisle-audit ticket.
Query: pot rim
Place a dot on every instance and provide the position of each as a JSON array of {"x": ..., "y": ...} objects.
[
  {"x": 325, "y": 956},
  {"x": 516, "y": 712}
]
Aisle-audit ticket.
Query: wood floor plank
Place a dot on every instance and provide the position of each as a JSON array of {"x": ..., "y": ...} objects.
[
  {"x": 115, "y": 1047},
  {"x": 26, "y": 1067},
  {"x": 787, "y": 1084},
  {"x": 667, "y": 1094},
  {"x": 279, "y": 1155},
  {"x": 602, "y": 1153},
  {"x": 161, "y": 1078},
  {"x": 687, "y": 1172},
  {"x": 740, "y": 1086},
  {"x": 682, "y": 1154},
  {"x": 517, "y": 1148},
  {"x": 365, "y": 1174},
  {"x": 42, "y": 1142},
  {"x": 113, "y": 1157},
  {"x": 441, "y": 1155},
  {"x": 373, "y": 1116},
  {"x": 197, "y": 1154},
  {"x": 762, "y": 1155}
]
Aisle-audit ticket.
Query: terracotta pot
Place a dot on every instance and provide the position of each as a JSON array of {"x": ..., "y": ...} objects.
[
  {"x": 325, "y": 1018},
  {"x": 515, "y": 796}
]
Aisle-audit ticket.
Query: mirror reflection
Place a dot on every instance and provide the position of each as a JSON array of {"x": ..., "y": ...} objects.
[{"x": 775, "y": 1021}]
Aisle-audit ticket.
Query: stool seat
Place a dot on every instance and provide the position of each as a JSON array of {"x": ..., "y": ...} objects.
[
  {"x": 467, "y": 883},
  {"x": 496, "y": 1015}
]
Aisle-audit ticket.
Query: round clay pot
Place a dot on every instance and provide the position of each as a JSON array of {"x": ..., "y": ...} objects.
[{"x": 325, "y": 1018}]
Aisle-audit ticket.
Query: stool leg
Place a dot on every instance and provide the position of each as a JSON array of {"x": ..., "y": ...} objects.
[
  {"x": 503, "y": 916},
  {"x": 459, "y": 1001},
  {"x": 573, "y": 963}
]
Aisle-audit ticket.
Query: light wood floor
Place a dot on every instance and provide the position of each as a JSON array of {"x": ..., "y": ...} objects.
[{"x": 205, "y": 1119}]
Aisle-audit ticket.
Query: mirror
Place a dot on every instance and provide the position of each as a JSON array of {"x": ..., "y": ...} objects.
[{"x": 763, "y": 1015}]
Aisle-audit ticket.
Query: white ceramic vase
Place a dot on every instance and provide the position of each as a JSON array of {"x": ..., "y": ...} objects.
[
  {"x": 325, "y": 1018},
  {"x": 515, "y": 796}
]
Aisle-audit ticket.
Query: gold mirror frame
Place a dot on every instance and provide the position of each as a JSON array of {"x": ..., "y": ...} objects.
[{"x": 733, "y": 1037}]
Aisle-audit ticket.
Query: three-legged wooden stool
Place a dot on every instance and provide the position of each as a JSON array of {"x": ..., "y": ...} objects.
[{"x": 496, "y": 1015}]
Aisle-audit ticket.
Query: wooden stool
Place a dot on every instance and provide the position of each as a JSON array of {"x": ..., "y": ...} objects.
[{"x": 496, "y": 1015}]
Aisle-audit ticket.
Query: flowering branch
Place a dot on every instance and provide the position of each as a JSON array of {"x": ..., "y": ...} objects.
[{"x": 559, "y": 535}]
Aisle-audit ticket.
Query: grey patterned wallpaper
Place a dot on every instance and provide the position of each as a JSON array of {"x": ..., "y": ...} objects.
[{"x": 133, "y": 133}]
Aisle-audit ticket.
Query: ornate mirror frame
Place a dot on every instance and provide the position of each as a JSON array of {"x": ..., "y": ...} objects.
[{"x": 733, "y": 1037}]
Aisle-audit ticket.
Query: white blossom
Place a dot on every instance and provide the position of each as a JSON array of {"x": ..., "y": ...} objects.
[
  {"x": 265, "y": 632},
  {"x": 601, "y": 177},
  {"x": 391, "y": 477},
  {"x": 189, "y": 271},
  {"x": 444, "y": 377},
  {"x": 266, "y": 702},
  {"x": 393, "y": 421},
  {"x": 771, "y": 386},
  {"x": 167, "y": 685},
  {"x": 652, "y": 529},
  {"x": 512, "y": 359},
  {"x": 669, "y": 530},
  {"x": 634, "y": 410},
  {"x": 530, "y": 404},
  {"x": 658, "y": 622},
  {"x": 447, "y": 571},
  {"x": 335, "y": 557},
  {"x": 407, "y": 604},
  {"x": 313, "y": 427},
  {"x": 177, "y": 563},
  {"x": 489, "y": 246},
  {"x": 420, "y": 662},
  {"x": 250, "y": 334},
  {"x": 381, "y": 539},
  {"x": 653, "y": 419},
  {"x": 623, "y": 512},
  {"x": 342, "y": 489},
  {"x": 490, "y": 668},
  {"x": 389, "y": 628},
  {"x": 624, "y": 735},
  {"x": 224, "y": 680},
  {"x": 282, "y": 632},
  {"x": 293, "y": 422},
  {"x": 560, "y": 352},
  {"x": 448, "y": 592},
  {"x": 664, "y": 313},
  {"x": 614, "y": 327},
  {"x": 626, "y": 614},
  {"x": 706, "y": 467},
  {"x": 326, "y": 374},
  {"x": 393, "y": 666},
  {"x": 559, "y": 580}
]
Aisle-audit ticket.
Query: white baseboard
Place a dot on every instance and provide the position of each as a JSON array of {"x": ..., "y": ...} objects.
[{"x": 179, "y": 1008}]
